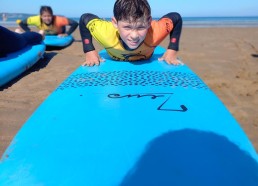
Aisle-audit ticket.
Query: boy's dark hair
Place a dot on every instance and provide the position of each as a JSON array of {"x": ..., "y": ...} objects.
[
  {"x": 46, "y": 9},
  {"x": 131, "y": 10}
]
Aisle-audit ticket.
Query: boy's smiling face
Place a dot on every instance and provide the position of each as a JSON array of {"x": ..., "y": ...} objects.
[{"x": 132, "y": 32}]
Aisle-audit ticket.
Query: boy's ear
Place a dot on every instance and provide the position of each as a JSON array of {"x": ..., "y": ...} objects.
[
  {"x": 149, "y": 21},
  {"x": 114, "y": 21}
]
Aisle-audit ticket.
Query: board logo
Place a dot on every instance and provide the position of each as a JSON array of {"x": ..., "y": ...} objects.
[{"x": 161, "y": 107}]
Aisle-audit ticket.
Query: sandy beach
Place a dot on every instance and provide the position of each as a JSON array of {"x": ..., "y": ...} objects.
[{"x": 225, "y": 58}]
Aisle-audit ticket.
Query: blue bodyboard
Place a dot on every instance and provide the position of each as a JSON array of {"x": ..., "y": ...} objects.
[
  {"x": 17, "y": 62},
  {"x": 57, "y": 41},
  {"x": 131, "y": 123}
]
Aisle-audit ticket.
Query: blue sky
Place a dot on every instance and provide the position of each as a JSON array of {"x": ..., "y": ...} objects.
[{"x": 103, "y": 8}]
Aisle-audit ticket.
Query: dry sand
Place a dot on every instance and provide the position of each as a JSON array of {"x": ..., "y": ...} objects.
[{"x": 225, "y": 58}]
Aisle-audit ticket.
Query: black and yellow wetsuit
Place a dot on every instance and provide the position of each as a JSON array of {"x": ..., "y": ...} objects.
[
  {"x": 107, "y": 35},
  {"x": 57, "y": 26}
]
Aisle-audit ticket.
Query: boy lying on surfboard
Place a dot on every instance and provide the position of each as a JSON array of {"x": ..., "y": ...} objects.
[{"x": 132, "y": 35}]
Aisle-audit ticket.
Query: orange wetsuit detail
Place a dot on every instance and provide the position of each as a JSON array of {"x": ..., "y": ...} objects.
[{"x": 55, "y": 28}]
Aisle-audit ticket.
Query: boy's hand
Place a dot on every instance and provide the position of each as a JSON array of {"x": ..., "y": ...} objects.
[
  {"x": 92, "y": 58},
  {"x": 170, "y": 56},
  {"x": 42, "y": 32}
]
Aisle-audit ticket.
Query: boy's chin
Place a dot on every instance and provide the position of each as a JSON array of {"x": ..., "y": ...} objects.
[
  {"x": 132, "y": 47},
  {"x": 48, "y": 22},
  {"x": 129, "y": 46}
]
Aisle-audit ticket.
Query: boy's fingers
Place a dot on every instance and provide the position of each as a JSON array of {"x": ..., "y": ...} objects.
[
  {"x": 176, "y": 62},
  {"x": 101, "y": 59},
  {"x": 90, "y": 64},
  {"x": 161, "y": 59},
  {"x": 180, "y": 62},
  {"x": 97, "y": 63},
  {"x": 85, "y": 64}
]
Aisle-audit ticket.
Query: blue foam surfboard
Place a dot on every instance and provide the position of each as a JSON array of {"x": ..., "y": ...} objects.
[
  {"x": 57, "y": 41},
  {"x": 17, "y": 62},
  {"x": 121, "y": 123}
]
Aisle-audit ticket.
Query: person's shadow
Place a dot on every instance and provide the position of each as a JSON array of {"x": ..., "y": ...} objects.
[{"x": 192, "y": 158}]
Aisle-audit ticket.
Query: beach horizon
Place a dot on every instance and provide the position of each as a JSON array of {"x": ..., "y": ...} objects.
[{"x": 9, "y": 20}]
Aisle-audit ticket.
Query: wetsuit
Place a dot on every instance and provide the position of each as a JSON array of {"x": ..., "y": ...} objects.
[
  {"x": 11, "y": 41},
  {"x": 107, "y": 35},
  {"x": 58, "y": 26}
]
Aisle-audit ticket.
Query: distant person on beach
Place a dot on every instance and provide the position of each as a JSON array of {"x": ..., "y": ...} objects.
[
  {"x": 49, "y": 23},
  {"x": 4, "y": 16},
  {"x": 132, "y": 35},
  {"x": 12, "y": 42}
]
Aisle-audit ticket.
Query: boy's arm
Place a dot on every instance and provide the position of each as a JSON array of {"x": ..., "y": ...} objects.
[
  {"x": 23, "y": 24},
  {"x": 85, "y": 33},
  {"x": 170, "y": 56},
  {"x": 176, "y": 31},
  {"x": 73, "y": 25},
  {"x": 92, "y": 57}
]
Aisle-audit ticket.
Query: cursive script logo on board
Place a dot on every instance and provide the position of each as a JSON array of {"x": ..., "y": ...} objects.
[{"x": 161, "y": 107}]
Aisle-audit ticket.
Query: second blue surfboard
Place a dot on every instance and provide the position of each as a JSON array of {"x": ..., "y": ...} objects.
[
  {"x": 57, "y": 41},
  {"x": 18, "y": 62}
]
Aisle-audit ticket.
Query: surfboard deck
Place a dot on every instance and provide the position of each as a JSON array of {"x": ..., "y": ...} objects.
[
  {"x": 56, "y": 41},
  {"x": 122, "y": 123},
  {"x": 17, "y": 62}
]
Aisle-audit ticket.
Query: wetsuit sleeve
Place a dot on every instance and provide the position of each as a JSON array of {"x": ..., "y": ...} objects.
[
  {"x": 176, "y": 31},
  {"x": 23, "y": 24},
  {"x": 85, "y": 33},
  {"x": 73, "y": 25}
]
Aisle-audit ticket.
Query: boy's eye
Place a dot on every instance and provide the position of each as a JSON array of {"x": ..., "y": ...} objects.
[
  {"x": 134, "y": 28},
  {"x": 141, "y": 28},
  {"x": 127, "y": 27}
]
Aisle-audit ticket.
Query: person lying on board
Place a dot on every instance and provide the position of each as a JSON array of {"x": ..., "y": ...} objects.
[
  {"x": 131, "y": 35},
  {"x": 11, "y": 41},
  {"x": 48, "y": 22}
]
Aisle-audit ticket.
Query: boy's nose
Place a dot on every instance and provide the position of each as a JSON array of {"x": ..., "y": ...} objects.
[{"x": 134, "y": 34}]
